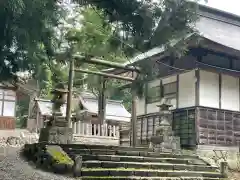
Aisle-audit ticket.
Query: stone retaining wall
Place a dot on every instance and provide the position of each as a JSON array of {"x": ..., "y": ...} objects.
[
  {"x": 18, "y": 139},
  {"x": 216, "y": 154}
]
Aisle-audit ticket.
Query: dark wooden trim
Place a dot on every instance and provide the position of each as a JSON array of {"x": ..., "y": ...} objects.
[
  {"x": 220, "y": 91},
  {"x": 2, "y": 110},
  {"x": 147, "y": 129},
  {"x": 146, "y": 93},
  {"x": 177, "y": 94},
  {"x": 153, "y": 128},
  {"x": 161, "y": 89},
  {"x": 188, "y": 108},
  {"x": 197, "y": 87},
  {"x": 218, "y": 53},
  {"x": 141, "y": 132},
  {"x": 231, "y": 63},
  {"x": 197, "y": 125}
]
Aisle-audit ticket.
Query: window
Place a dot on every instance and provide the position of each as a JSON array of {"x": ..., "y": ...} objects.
[
  {"x": 169, "y": 89},
  {"x": 154, "y": 94},
  {"x": 170, "y": 93},
  {"x": 7, "y": 102},
  {"x": 9, "y": 108},
  {"x": 9, "y": 95}
]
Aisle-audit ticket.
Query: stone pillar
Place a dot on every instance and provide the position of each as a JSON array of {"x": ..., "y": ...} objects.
[{"x": 57, "y": 130}]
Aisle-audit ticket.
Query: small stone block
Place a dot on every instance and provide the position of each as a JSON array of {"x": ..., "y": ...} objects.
[
  {"x": 109, "y": 165},
  {"x": 153, "y": 174},
  {"x": 121, "y": 173},
  {"x": 224, "y": 169},
  {"x": 92, "y": 164},
  {"x": 59, "y": 168},
  {"x": 114, "y": 158},
  {"x": 77, "y": 167},
  {"x": 100, "y": 173},
  {"x": 141, "y": 173},
  {"x": 89, "y": 157}
]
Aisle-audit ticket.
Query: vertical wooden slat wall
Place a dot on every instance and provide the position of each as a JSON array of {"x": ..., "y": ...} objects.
[
  {"x": 184, "y": 126},
  {"x": 218, "y": 127},
  {"x": 198, "y": 125},
  {"x": 146, "y": 126},
  {"x": 7, "y": 123}
]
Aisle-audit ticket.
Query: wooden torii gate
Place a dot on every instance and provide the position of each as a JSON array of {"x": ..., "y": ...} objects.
[{"x": 102, "y": 97}]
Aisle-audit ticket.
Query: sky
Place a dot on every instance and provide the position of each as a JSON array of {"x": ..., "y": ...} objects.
[{"x": 231, "y": 6}]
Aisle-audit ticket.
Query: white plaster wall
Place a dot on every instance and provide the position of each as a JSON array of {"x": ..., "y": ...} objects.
[
  {"x": 209, "y": 89},
  {"x": 230, "y": 93},
  {"x": 152, "y": 108},
  {"x": 186, "y": 91},
  {"x": 140, "y": 106}
]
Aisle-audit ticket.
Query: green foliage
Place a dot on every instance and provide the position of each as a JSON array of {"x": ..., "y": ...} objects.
[
  {"x": 109, "y": 29},
  {"x": 25, "y": 24},
  {"x": 147, "y": 24},
  {"x": 94, "y": 38},
  {"x": 142, "y": 25},
  {"x": 22, "y": 112}
]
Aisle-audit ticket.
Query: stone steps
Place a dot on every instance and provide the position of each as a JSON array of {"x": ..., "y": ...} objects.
[
  {"x": 100, "y": 172},
  {"x": 147, "y": 165},
  {"x": 127, "y": 153},
  {"x": 118, "y": 158},
  {"x": 150, "y": 178},
  {"x": 89, "y": 146},
  {"x": 136, "y": 163}
]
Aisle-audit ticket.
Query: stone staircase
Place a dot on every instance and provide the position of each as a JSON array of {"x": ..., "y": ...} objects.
[{"x": 108, "y": 162}]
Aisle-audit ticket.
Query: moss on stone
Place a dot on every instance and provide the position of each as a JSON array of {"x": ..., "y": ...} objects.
[{"x": 59, "y": 156}]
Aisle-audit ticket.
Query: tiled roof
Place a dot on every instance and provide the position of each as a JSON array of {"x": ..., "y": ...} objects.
[
  {"x": 46, "y": 106},
  {"x": 115, "y": 110},
  {"x": 220, "y": 27},
  {"x": 226, "y": 34}
]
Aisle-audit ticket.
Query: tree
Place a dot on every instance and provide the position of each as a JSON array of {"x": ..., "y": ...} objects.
[
  {"x": 146, "y": 24},
  {"x": 94, "y": 38},
  {"x": 143, "y": 25},
  {"x": 26, "y": 29}
]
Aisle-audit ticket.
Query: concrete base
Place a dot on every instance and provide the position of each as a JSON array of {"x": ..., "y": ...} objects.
[{"x": 56, "y": 135}]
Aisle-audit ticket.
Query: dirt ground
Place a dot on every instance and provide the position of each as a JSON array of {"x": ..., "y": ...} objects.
[{"x": 234, "y": 176}]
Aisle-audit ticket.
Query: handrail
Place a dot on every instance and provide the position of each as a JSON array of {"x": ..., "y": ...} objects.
[{"x": 89, "y": 129}]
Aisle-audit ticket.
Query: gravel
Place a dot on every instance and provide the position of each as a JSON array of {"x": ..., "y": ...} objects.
[{"x": 13, "y": 167}]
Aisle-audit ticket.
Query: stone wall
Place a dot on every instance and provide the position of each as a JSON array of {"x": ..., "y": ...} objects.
[
  {"x": 216, "y": 154},
  {"x": 16, "y": 138}
]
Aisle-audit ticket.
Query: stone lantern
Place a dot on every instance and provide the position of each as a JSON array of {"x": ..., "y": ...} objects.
[
  {"x": 57, "y": 130},
  {"x": 164, "y": 140},
  {"x": 59, "y": 97},
  {"x": 164, "y": 127}
]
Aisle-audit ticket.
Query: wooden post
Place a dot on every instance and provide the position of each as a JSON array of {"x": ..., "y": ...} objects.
[
  {"x": 70, "y": 87},
  {"x": 134, "y": 119},
  {"x": 134, "y": 116},
  {"x": 102, "y": 103}
]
